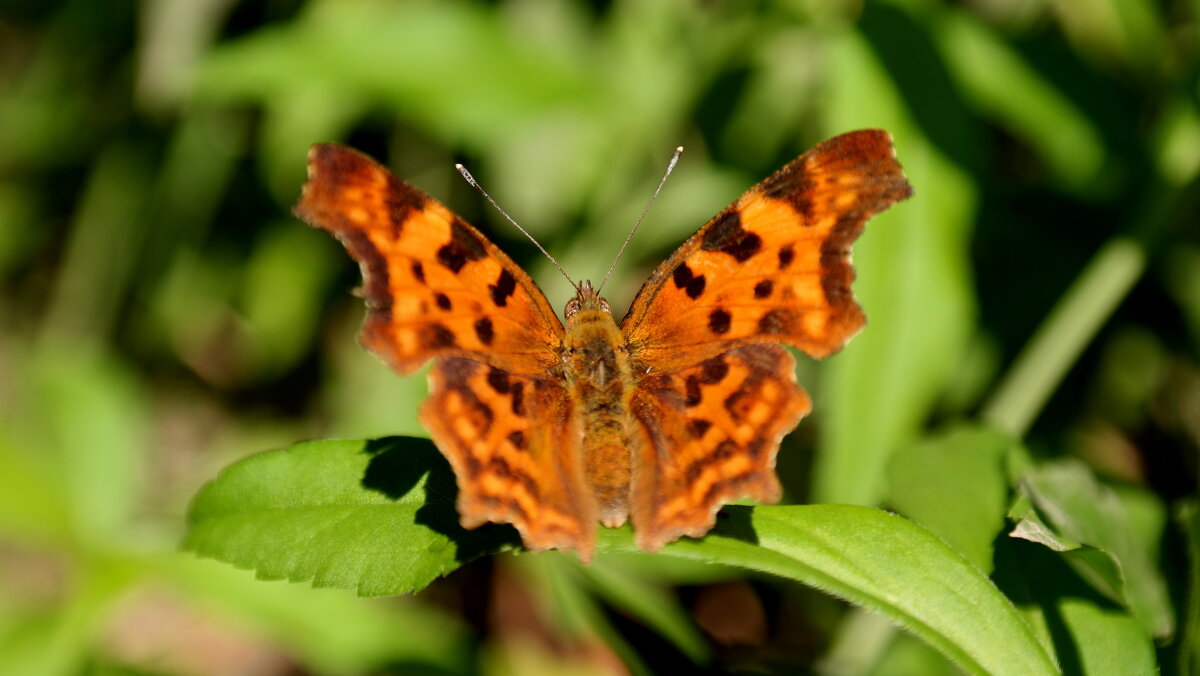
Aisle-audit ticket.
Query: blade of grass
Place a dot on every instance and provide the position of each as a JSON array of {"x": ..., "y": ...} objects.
[{"x": 1068, "y": 328}]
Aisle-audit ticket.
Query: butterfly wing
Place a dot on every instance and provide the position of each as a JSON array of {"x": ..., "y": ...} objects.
[
  {"x": 715, "y": 396},
  {"x": 436, "y": 288},
  {"x": 514, "y": 442},
  {"x": 774, "y": 266},
  {"x": 434, "y": 285},
  {"x": 707, "y": 435}
]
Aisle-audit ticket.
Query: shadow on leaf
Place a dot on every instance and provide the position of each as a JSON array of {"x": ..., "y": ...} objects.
[
  {"x": 734, "y": 521},
  {"x": 396, "y": 468}
]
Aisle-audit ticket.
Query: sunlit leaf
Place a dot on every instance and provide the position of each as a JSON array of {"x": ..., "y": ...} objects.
[
  {"x": 884, "y": 563},
  {"x": 955, "y": 485},
  {"x": 374, "y": 516},
  {"x": 378, "y": 517}
]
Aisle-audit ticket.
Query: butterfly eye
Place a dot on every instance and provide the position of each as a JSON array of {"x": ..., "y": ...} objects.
[{"x": 572, "y": 307}]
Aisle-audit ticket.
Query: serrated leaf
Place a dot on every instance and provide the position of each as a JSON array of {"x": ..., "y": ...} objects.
[
  {"x": 375, "y": 516},
  {"x": 378, "y": 517}
]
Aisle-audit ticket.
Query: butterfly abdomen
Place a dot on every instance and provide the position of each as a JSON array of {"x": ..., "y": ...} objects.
[{"x": 599, "y": 376}]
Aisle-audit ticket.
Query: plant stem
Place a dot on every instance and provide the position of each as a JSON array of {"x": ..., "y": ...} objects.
[{"x": 1061, "y": 338}]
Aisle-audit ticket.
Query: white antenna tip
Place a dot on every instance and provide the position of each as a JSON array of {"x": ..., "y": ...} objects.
[
  {"x": 466, "y": 175},
  {"x": 679, "y": 149}
]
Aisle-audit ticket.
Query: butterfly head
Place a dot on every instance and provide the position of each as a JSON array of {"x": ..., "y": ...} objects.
[{"x": 586, "y": 298}]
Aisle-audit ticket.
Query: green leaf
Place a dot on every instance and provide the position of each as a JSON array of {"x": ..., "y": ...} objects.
[
  {"x": 956, "y": 486},
  {"x": 287, "y": 274},
  {"x": 882, "y": 562},
  {"x": 378, "y": 517},
  {"x": 93, "y": 414},
  {"x": 1110, "y": 641},
  {"x": 330, "y": 630},
  {"x": 374, "y": 516},
  {"x": 1090, "y": 634},
  {"x": 1078, "y": 510},
  {"x": 1020, "y": 99}
]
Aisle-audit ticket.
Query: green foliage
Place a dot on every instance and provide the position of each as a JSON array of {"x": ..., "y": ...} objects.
[
  {"x": 377, "y": 517},
  {"x": 317, "y": 512},
  {"x": 1024, "y": 396}
]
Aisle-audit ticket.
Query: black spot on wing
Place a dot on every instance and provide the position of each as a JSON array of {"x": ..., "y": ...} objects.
[
  {"x": 713, "y": 371},
  {"x": 418, "y": 271},
  {"x": 727, "y": 235},
  {"x": 518, "y": 398},
  {"x": 484, "y": 330},
  {"x": 691, "y": 391},
  {"x": 764, "y": 288},
  {"x": 498, "y": 381},
  {"x": 792, "y": 185},
  {"x": 786, "y": 255},
  {"x": 738, "y": 404},
  {"x": 698, "y": 426},
  {"x": 443, "y": 301},
  {"x": 503, "y": 289},
  {"x": 684, "y": 279},
  {"x": 401, "y": 201},
  {"x": 436, "y": 336},
  {"x": 718, "y": 321},
  {"x": 464, "y": 246}
]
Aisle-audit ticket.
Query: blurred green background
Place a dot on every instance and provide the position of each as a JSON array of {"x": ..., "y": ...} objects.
[{"x": 162, "y": 314}]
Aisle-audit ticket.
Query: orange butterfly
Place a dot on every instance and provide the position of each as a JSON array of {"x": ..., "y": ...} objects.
[{"x": 661, "y": 419}]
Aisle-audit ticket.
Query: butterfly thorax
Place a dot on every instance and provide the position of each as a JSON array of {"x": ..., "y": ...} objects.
[{"x": 596, "y": 369}]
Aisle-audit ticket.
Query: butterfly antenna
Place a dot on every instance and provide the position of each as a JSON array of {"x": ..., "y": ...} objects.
[
  {"x": 670, "y": 168},
  {"x": 474, "y": 184}
]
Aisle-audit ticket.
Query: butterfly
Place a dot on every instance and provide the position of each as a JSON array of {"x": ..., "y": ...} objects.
[{"x": 659, "y": 419}]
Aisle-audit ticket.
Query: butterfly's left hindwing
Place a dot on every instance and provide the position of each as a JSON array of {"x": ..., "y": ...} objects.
[{"x": 434, "y": 285}]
